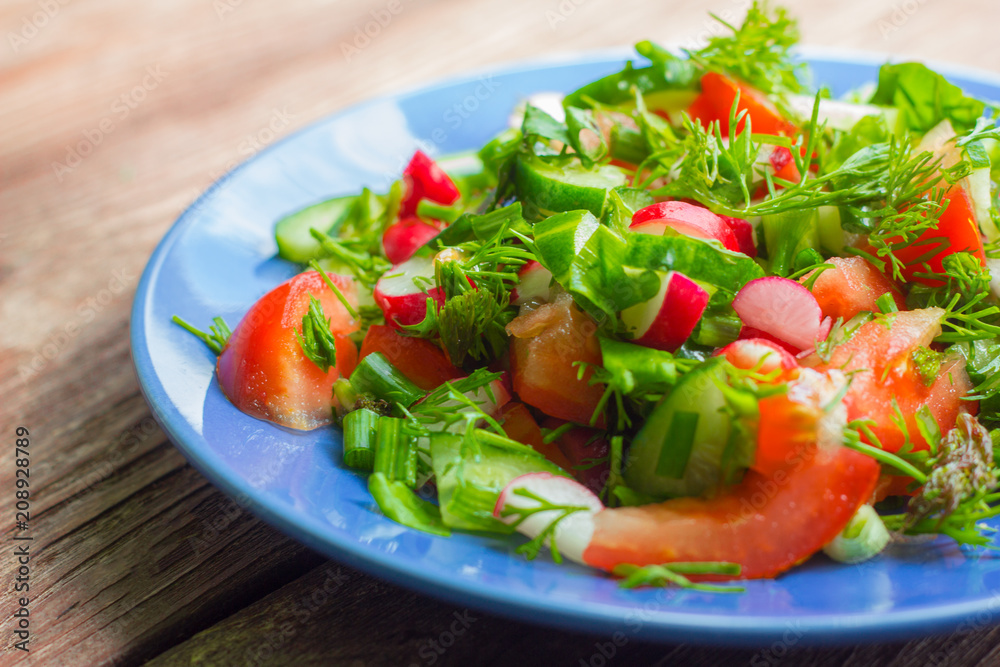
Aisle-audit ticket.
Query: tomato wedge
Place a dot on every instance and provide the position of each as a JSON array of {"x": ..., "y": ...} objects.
[
  {"x": 520, "y": 425},
  {"x": 545, "y": 345},
  {"x": 766, "y": 524},
  {"x": 420, "y": 360},
  {"x": 718, "y": 92},
  {"x": 956, "y": 231},
  {"x": 262, "y": 368},
  {"x": 852, "y": 286},
  {"x": 587, "y": 454},
  {"x": 884, "y": 375}
]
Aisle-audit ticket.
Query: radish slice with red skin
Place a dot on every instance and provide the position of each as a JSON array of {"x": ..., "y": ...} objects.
[
  {"x": 491, "y": 399},
  {"x": 665, "y": 321},
  {"x": 779, "y": 157},
  {"x": 743, "y": 231},
  {"x": 749, "y": 332},
  {"x": 782, "y": 308},
  {"x": 573, "y": 532},
  {"x": 402, "y": 239},
  {"x": 762, "y": 354},
  {"x": 686, "y": 219},
  {"x": 424, "y": 179},
  {"x": 535, "y": 281},
  {"x": 403, "y": 301}
]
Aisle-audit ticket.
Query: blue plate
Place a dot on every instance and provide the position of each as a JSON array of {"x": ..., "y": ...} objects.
[{"x": 219, "y": 258}]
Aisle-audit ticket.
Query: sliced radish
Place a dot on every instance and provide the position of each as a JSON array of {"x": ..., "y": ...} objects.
[
  {"x": 424, "y": 179},
  {"x": 492, "y": 397},
  {"x": 783, "y": 308},
  {"x": 534, "y": 280},
  {"x": 762, "y": 354},
  {"x": 665, "y": 321},
  {"x": 402, "y": 239},
  {"x": 779, "y": 158},
  {"x": 402, "y": 298},
  {"x": 684, "y": 218},
  {"x": 747, "y": 333},
  {"x": 573, "y": 531},
  {"x": 743, "y": 231}
]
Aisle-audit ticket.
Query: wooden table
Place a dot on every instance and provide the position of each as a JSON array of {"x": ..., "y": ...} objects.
[{"x": 115, "y": 115}]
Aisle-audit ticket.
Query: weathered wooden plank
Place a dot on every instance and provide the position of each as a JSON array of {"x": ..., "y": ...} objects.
[
  {"x": 117, "y": 513},
  {"x": 319, "y": 618}
]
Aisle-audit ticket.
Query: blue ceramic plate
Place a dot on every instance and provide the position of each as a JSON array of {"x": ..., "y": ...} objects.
[{"x": 219, "y": 258}]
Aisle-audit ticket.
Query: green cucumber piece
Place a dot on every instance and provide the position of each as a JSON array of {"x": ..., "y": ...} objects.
[
  {"x": 679, "y": 450},
  {"x": 787, "y": 234},
  {"x": 295, "y": 243},
  {"x": 556, "y": 184},
  {"x": 469, "y": 482},
  {"x": 831, "y": 234}
]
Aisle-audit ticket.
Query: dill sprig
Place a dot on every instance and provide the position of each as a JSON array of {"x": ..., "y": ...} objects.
[
  {"x": 757, "y": 52},
  {"x": 316, "y": 340},
  {"x": 215, "y": 338},
  {"x": 957, "y": 475},
  {"x": 676, "y": 574},
  {"x": 970, "y": 313},
  {"x": 532, "y": 548}
]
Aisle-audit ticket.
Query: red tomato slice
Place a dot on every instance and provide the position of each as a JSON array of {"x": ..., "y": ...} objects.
[
  {"x": 956, "y": 231},
  {"x": 879, "y": 358},
  {"x": 545, "y": 343},
  {"x": 584, "y": 449},
  {"x": 420, "y": 360},
  {"x": 264, "y": 372},
  {"x": 766, "y": 524},
  {"x": 718, "y": 92},
  {"x": 852, "y": 286},
  {"x": 519, "y": 425}
]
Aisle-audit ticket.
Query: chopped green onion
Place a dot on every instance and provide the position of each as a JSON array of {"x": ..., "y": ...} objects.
[
  {"x": 398, "y": 502},
  {"x": 216, "y": 340},
  {"x": 886, "y": 304},
  {"x": 374, "y": 375},
  {"x": 680, "y": 436},
  {"x": 863, "y": 537},
  {"x": 396, "y": 451},
  {"x": 360, "y": 432}
]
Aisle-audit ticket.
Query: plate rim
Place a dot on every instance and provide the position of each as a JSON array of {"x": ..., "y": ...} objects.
[{"x": 668, "y": 625}]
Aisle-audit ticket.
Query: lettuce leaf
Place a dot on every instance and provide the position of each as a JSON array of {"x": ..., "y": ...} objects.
[{"x": 925, "y": 98}]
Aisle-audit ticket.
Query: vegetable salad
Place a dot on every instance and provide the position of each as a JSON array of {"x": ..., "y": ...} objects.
[{"x": 694, "y": 321}]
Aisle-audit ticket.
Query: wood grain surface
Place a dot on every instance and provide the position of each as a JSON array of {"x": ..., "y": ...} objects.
[{"x": 114, "y": 116}]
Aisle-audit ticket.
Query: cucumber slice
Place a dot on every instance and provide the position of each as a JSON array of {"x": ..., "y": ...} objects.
[
  {"x": 469, "y": 483},
  {"x": 295, "y": 243},
  {"x": 679, "y": 450},
  {"x": 841, "y": 115},
  {"x": 831, "y": 234},
  {"x": 787, "y": 234},
  {"x": 559, "y": 184}
]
